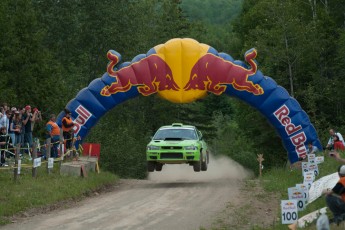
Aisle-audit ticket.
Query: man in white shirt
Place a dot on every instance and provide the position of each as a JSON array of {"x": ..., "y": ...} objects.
[
  {"x": 331, "y": 142},
  {"x": 4, "y": 121}
]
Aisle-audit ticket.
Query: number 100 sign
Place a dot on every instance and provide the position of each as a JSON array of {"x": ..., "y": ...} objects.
[{"x": 289, "y": 211}]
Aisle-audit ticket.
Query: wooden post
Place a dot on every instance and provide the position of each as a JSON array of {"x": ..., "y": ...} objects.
[
  {"x": 15, "y": 171},
  {"x": 260, "y": 159},
  {"x": 34, "y": 156},
  {"x": 48, "y": 148}
]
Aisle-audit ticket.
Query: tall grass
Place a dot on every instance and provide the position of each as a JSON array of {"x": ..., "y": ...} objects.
[{"x": 47, "y": 189}]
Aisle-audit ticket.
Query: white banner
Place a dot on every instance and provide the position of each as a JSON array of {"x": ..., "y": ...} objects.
[{"x": 318, "y": 186}]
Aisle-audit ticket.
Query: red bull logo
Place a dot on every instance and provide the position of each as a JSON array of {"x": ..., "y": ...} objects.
[
  {"x": 181, "y": 71},
  {"x": 214, "y": 74},
  {"x": 150, "y": 74}
]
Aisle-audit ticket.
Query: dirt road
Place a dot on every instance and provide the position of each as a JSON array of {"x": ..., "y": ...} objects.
[{"x": 176, "y": 198}]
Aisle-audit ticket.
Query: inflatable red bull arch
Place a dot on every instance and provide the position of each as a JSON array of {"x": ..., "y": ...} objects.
[{"x": 183, "y": 70}]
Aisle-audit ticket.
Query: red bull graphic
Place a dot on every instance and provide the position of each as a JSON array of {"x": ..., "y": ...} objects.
[
  {"x": 184, "y": 70},
  {"x": 214, "y": 73},
  {"x": 155, "y": 76}
]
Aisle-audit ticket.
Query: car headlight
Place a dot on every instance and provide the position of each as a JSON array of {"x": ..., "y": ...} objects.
[
  {"x": 153, "y": 147},
  {"x": 191, "y": 147}
]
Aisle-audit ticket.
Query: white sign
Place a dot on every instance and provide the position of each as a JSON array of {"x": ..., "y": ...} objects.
[
  {"x": 37, "y": 162},
  {"x": 289, "y": 211},
  {"x": 19, "y": 166},
  {"x": 50, "y": 163},
  {"x": 305, "y": 190},
  {"x": 304, "y": 167},
  {"x": 313, "y": 168},
  {"x": 297, "y": 194},
  {"x": 319, "y": 160},
  {"x": 311, "y": 158},
  {"x": 309, "y": 178}
]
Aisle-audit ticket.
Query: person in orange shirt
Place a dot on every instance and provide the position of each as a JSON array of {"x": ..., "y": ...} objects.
[
  {"x": 67, "y": 128},
  {"x": 53, "y": 132},
  {"x": 335, "y": 197}
]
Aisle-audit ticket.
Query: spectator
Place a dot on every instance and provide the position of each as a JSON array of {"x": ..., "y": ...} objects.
[
  {"x": 67, "y": 128},
  {"x": 5, "y": 106},
  {"x": 335, "y": 197},
  {"x": 10, "y": 121},
  {"x": 5, "y": 143},
  {"x": 330, "y": 144},
  {"x": 22, "y": 112},
  {"x": 28, "y": 118},
  {"x": 37, "y": 117},
  {"x": 337, "y": 144},
  {"x": 16, "y": 127},
  {"x": 312, "y": 149},
  {"x": 4, "y": 121},
  {"x": 53, "y": 132}
]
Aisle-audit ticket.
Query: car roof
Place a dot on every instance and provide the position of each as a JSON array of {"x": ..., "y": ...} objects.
[{"x": 177, "y": 126}]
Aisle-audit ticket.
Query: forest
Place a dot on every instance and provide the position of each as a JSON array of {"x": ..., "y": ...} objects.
[{"x": 51, "y": 49}]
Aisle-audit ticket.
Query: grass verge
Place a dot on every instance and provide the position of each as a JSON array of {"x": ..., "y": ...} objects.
[{"x": 45, "y": 190}]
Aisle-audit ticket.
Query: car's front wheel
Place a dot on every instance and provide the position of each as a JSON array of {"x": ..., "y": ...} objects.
[
  {"x": 151, "y": 165},
  {"x": 197, "y": 166},
  {"x": 159, "y": 166}
]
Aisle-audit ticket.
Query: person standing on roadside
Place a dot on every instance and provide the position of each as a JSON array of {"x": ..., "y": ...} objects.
[
  {"x": 27, "y": 119},
  {"x": 67, "y": 128},
  {"x": 53, "y": 132},
  {"x": 330, "y": 143}
]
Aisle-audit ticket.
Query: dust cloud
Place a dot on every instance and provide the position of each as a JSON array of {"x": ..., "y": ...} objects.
[{"x": 218, "y": 168}]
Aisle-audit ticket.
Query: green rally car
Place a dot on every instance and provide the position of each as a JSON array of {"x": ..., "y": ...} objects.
[{"x": 177, "y": 144}]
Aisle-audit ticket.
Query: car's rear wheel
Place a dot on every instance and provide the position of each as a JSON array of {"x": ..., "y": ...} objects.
[
  {"x": 159, "y": 166},
  {"x": 204, "y": 165},
  {"x": 151, "y": 165}
]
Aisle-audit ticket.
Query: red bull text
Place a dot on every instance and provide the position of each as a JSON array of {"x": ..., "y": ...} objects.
[
  {"x": 298, "y": 140},
  {"x": 82, "y": 118}
]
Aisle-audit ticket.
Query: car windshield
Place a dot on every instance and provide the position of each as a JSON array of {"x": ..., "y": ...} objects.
[{"x": 173, "y": 134}]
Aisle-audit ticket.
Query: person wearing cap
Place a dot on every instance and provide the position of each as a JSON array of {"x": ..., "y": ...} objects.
[
  {"x": 53, "y": 132},
  {"x": 335, "y": 197},
  {"x": 37, "y": 117},
  {"x": 67, "y": 128},
  {"x": 27, "y": 119}
]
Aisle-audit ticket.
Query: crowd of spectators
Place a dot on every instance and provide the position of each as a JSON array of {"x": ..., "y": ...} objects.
[{"x": 17, "y": 125}]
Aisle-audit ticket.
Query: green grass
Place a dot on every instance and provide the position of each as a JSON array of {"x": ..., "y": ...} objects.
[{"x": 46, "y": 189}]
